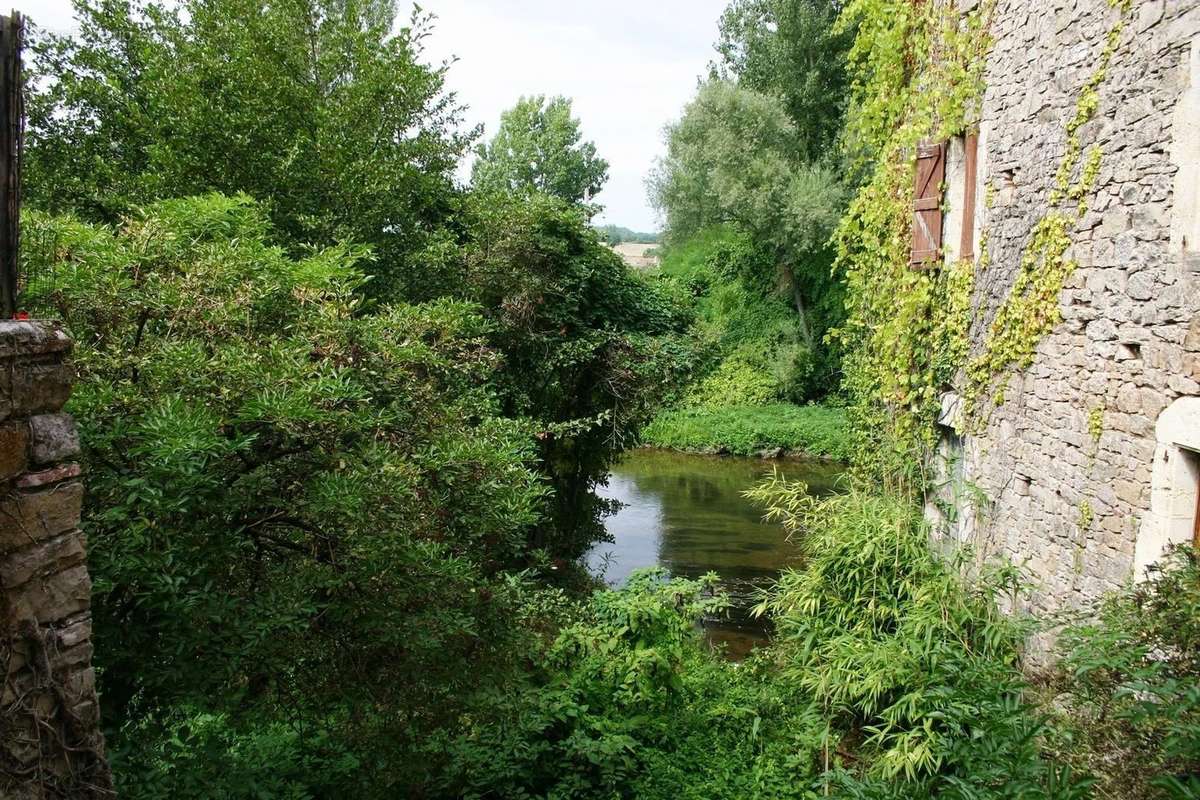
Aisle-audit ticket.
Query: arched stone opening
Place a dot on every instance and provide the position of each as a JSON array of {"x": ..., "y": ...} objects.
[{"x": 1175, "y": 485}]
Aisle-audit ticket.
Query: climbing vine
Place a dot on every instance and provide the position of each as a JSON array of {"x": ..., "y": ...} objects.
[
  {"x": 1032, "y": 309},
  {"x": 918, "y": 75}
]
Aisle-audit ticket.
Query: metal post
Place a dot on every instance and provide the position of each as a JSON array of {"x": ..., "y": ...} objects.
[{"x": 11, "y": 132}]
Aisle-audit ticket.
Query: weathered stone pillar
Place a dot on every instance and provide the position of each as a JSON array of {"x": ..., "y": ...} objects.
[{"x": 50, "y": 741}]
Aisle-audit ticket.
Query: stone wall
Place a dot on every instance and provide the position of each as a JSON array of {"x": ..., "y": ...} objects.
[
  {"x": 1071, "y": 504},
  {"x": 50, "y": 745}
]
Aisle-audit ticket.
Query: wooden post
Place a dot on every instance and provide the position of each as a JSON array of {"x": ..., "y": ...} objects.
[{"x": 11, "y": 132}]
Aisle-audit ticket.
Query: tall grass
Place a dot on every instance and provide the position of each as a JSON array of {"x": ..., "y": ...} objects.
[
  {"x": 747, "y": 429},
  {"x": 916, "y": 669}
]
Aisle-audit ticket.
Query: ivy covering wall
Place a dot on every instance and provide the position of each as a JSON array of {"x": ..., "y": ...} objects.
[{"x": 919, "y": 75}]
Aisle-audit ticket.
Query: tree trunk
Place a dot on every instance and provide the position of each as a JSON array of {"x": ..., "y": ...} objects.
[{"x": 798, "y": 299}]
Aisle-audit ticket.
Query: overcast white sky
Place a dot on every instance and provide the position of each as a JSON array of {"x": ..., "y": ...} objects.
[{"x": 630, "y": 65}]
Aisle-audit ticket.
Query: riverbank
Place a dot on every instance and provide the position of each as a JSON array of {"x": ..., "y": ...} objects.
[{"x": 777, "y": 429}]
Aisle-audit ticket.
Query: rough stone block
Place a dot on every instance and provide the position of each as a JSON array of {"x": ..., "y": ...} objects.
[
  {"x": 1183, "y": 385},
  {"x": 37, "y": 388},
  {"x": 24, "y": 338},
  {"x": 1129, "y": 399},
  {"x": 14, "y": 446},
  {"x": 30, "y": 517},
  {"x": 55, "y": 437},
  {"x": 75, "y": 632},
  {"x": 76, "y": 657},
  {"x": 44, "y": 558},
  {"x": 87, "y": 712},
  {"x": 1102, "y": 330},
  {"x": 81, "y": 685},
  {"x": 1141, "y": 285},
  {"x": 35, "y": 480},
  {"x": 1153, "y": 402},
  {"x": 1191, "y": 366},
  {"x": 1130, "y": 492},
  {"x": 1191, "y": 340},
  {"x": 54, "y": 597}
]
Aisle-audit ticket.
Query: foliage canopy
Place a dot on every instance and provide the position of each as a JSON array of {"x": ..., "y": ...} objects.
[
  {"x": 322, "y": 109},
  {"x": 270, "y": 474},
  {"x": 792, "y": 49},
  {"x": 539, "y": 147}
]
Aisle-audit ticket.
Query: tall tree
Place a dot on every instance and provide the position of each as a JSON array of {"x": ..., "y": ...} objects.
[
  {"x": 589, "y": 345},
  {"x": 792, "y": 49},
  {"x": 539, "y": 147},
  {"x": 314, "y": 106},
  {"x": 733, "y": 158}
]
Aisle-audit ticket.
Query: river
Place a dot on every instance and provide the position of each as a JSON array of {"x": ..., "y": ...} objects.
[{"x": 686, "y": 513}]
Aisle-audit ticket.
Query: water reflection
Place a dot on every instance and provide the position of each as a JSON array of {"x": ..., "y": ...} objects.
[{"x": 686, "y": 513}]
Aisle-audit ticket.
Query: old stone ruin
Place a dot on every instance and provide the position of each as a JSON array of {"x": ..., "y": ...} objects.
[{"x": 50, "y": 741}]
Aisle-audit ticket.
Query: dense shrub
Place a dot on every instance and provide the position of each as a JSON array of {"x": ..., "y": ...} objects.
[
  {"x": 1127, "y": 691},
  {"x": 297, "y": 513},
  {"x": 630, "y": 704},
  {"x": 588, "y": 347},
  {"x": 736, "y": 380},
  {"x": 748, "y": 321},
  {"x": 915, "y": 668}
]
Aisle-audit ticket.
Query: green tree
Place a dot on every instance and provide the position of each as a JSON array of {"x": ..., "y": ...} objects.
[
  {"x": 735, "y": 157},
  {"x": 791, "y": 49},
  {"x": 299, "y": 515},
  {"x": 314, "y": 106},
  {"x": 539, "y": 147},
  {"x": 589, "y": 345}
]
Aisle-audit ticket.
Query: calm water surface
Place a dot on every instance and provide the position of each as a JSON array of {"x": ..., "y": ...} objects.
[{"x": 686, "y": 513}]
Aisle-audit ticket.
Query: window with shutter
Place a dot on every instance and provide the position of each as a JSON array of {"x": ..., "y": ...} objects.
[{"x": 927, "y": 204}]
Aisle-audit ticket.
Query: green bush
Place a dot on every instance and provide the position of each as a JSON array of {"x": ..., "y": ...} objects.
[
  {"x": 588, "y": 346},
  {"x": 285, "y": 492},
  {"x": 628, "y": 703},
  {"x": 735, "y": 379},
  {"x": 193, "y": 754},
  {"x": 746, "y": 430},
  {"x": 747, "y": 321},
  {"x": 916, "y": 668},
  {"x": 1127, "y": 691}
]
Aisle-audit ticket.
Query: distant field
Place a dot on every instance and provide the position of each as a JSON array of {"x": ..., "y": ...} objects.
[{"x": 638, "y": 255}]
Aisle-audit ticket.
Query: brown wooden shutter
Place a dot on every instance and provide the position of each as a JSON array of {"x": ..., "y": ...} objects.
[
  {"x": 1196, "y": 521},
  {"x": 927, "y": 204},
  {"x": 966, "y": 249}
]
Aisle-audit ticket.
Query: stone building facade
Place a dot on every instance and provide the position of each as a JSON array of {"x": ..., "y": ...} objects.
[
  {"x": 1091, "y": 464},
  {"x": 50, "y": 741}
]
